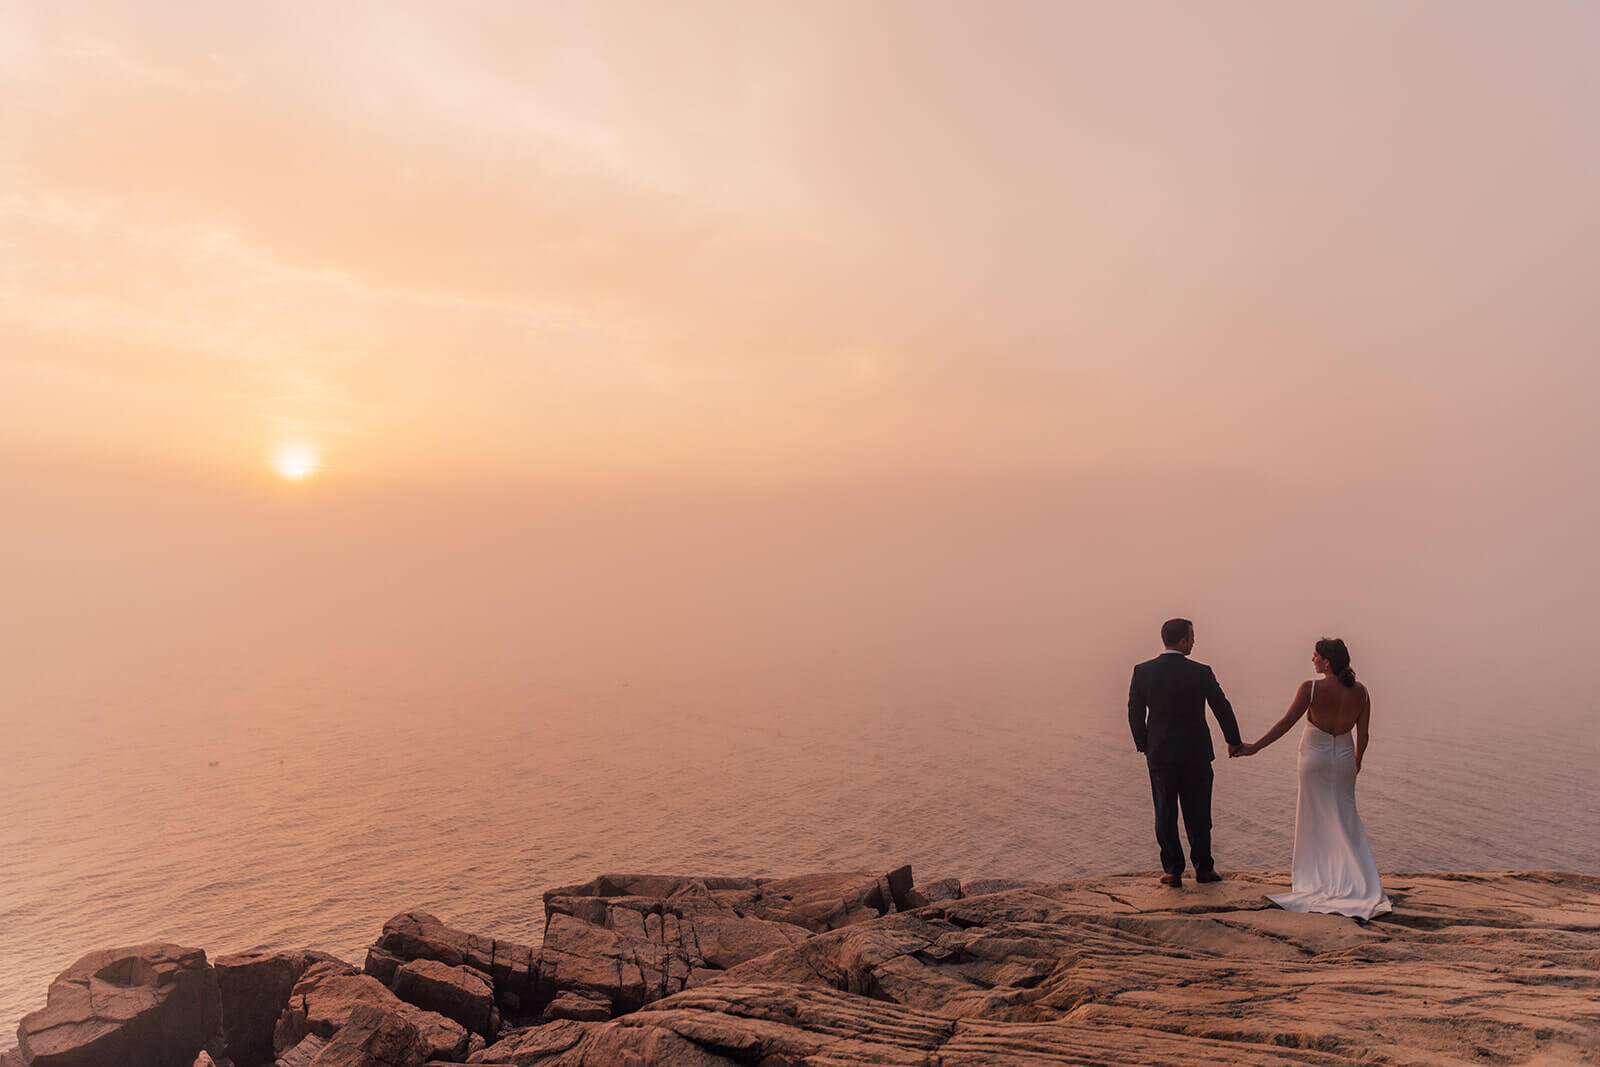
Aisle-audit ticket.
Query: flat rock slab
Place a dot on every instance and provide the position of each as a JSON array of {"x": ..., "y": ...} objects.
[
  {"x": 459, "y": 993},
  {"x": 579, "y": 1007},
  {"x": 1495, "y": 967}
]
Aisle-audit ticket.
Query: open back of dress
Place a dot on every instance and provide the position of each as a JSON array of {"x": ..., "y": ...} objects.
[{"x": 1334, "y": 870}]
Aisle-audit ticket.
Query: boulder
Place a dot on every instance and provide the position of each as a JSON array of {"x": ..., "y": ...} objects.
[
  {"x": 599, "y": 963},
  {"x": 255, "y": 988},
  {"x": 381, "y": 964},
  {"x": 373, "y": 1037},
  {"x": 154, "y": 1005},
  {"x": 12, "y": 1058},
  {"x": 293, "y": 1025},
  {"x": 625, "y": 945},
  {"x": 725, "y": 939},
  {"x": 416, "y": 935},
  {"x": 577, "y": 1006},
  {"x": 443, "y": 1038},
  {"x": 324, "y": 998},
  {"x": 460, "y": 993}
]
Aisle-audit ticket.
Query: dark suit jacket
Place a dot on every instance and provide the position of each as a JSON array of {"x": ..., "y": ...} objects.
[{"x": 1167, "y": 710}]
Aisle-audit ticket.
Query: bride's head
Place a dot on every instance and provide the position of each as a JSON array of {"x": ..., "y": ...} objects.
[{"x": 1332, "y": 658}]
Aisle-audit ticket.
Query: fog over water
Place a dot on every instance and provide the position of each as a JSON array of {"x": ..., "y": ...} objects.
[
  {"x": 1463, "y": 584},
  {"x": 274, "y": 717}
]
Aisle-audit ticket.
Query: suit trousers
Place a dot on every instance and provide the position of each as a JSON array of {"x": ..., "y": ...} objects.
[{"x": 1186, "y": 786}]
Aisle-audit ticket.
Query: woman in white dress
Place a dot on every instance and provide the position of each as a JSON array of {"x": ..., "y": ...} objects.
[{"x": 1333, "y": 868}]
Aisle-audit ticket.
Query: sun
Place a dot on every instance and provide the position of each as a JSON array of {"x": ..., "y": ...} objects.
[{"x": 296, "y": 462}]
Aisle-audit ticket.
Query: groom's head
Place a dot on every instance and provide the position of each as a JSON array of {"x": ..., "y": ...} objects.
[{"x": 1178, "y": 635}]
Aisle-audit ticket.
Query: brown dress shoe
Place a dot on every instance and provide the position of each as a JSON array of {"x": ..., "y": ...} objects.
[
  {"x": 1208, "y": 876},
  {"x": 1174, "y": 880}
]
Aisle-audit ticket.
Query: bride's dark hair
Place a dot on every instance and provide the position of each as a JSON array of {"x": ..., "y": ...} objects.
[{"x": 1332, "y": 649}]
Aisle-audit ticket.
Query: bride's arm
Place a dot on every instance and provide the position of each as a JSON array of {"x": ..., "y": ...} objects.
[
  {"x": 1302, "y": 701},
  {"x": 1362, "y": 722}
]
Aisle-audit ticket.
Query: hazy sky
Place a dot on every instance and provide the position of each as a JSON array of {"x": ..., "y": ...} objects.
[{"x": 1199, "y": 303}]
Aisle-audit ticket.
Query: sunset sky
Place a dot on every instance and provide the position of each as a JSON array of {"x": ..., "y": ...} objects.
[{"x": 1337, "y": 255}]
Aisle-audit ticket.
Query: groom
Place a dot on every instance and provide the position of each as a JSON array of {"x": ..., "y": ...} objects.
[{"x": 1167, "y": 712}]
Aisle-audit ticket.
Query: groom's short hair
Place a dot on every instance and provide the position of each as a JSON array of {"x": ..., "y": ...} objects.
[{"x": 1175, "y": 630}]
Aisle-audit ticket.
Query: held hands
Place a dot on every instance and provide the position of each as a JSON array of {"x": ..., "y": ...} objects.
[{"x": 1243, "y": 750}]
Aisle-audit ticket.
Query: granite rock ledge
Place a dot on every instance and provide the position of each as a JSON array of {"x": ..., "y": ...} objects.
[{"x": 853, "y": 967}]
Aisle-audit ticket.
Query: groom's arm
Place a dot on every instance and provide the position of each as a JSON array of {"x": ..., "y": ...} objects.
[
  {"x": 1136, "y": 712},
  {"x": 1222, "y": 709}
]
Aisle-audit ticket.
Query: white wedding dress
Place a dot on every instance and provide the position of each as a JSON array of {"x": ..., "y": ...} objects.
[{"x": 1333, "y": 868}]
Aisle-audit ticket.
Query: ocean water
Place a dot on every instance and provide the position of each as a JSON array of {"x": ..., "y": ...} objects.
[{"x": 232, "y": 815}]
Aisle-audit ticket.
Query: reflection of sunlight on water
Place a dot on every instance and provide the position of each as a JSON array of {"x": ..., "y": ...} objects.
[{"x": 331, "y": 810}]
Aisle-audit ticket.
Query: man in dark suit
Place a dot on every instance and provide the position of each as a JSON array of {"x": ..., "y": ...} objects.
[{"x": 1167, "y": 712}]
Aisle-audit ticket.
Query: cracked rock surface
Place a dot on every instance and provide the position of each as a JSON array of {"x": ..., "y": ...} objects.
[
  {"x": 1500, "y": 967},
  {"x": 372, "y": 1037},
  {"x": 859, "y": 968},
  {"x": 624, "y": 941},
  {"x": 147, "y": 1006},
  {"x": 327, "y": 995},
  {"x": 255, "y": 989},
  {"x": 416, "y": 935}
]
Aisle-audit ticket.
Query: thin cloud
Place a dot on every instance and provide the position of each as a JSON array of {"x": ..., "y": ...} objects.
[{"x": 722, "y": 240}]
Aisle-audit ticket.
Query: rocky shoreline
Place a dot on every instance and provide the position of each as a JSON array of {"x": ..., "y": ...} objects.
[{"x": 856, "y": 967}]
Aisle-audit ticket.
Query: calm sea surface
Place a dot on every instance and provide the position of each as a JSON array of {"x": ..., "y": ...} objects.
[{"x": 233, "y": 816}]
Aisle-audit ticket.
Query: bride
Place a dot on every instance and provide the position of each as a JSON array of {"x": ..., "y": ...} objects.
[{"x": 1333, "y": 867}]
